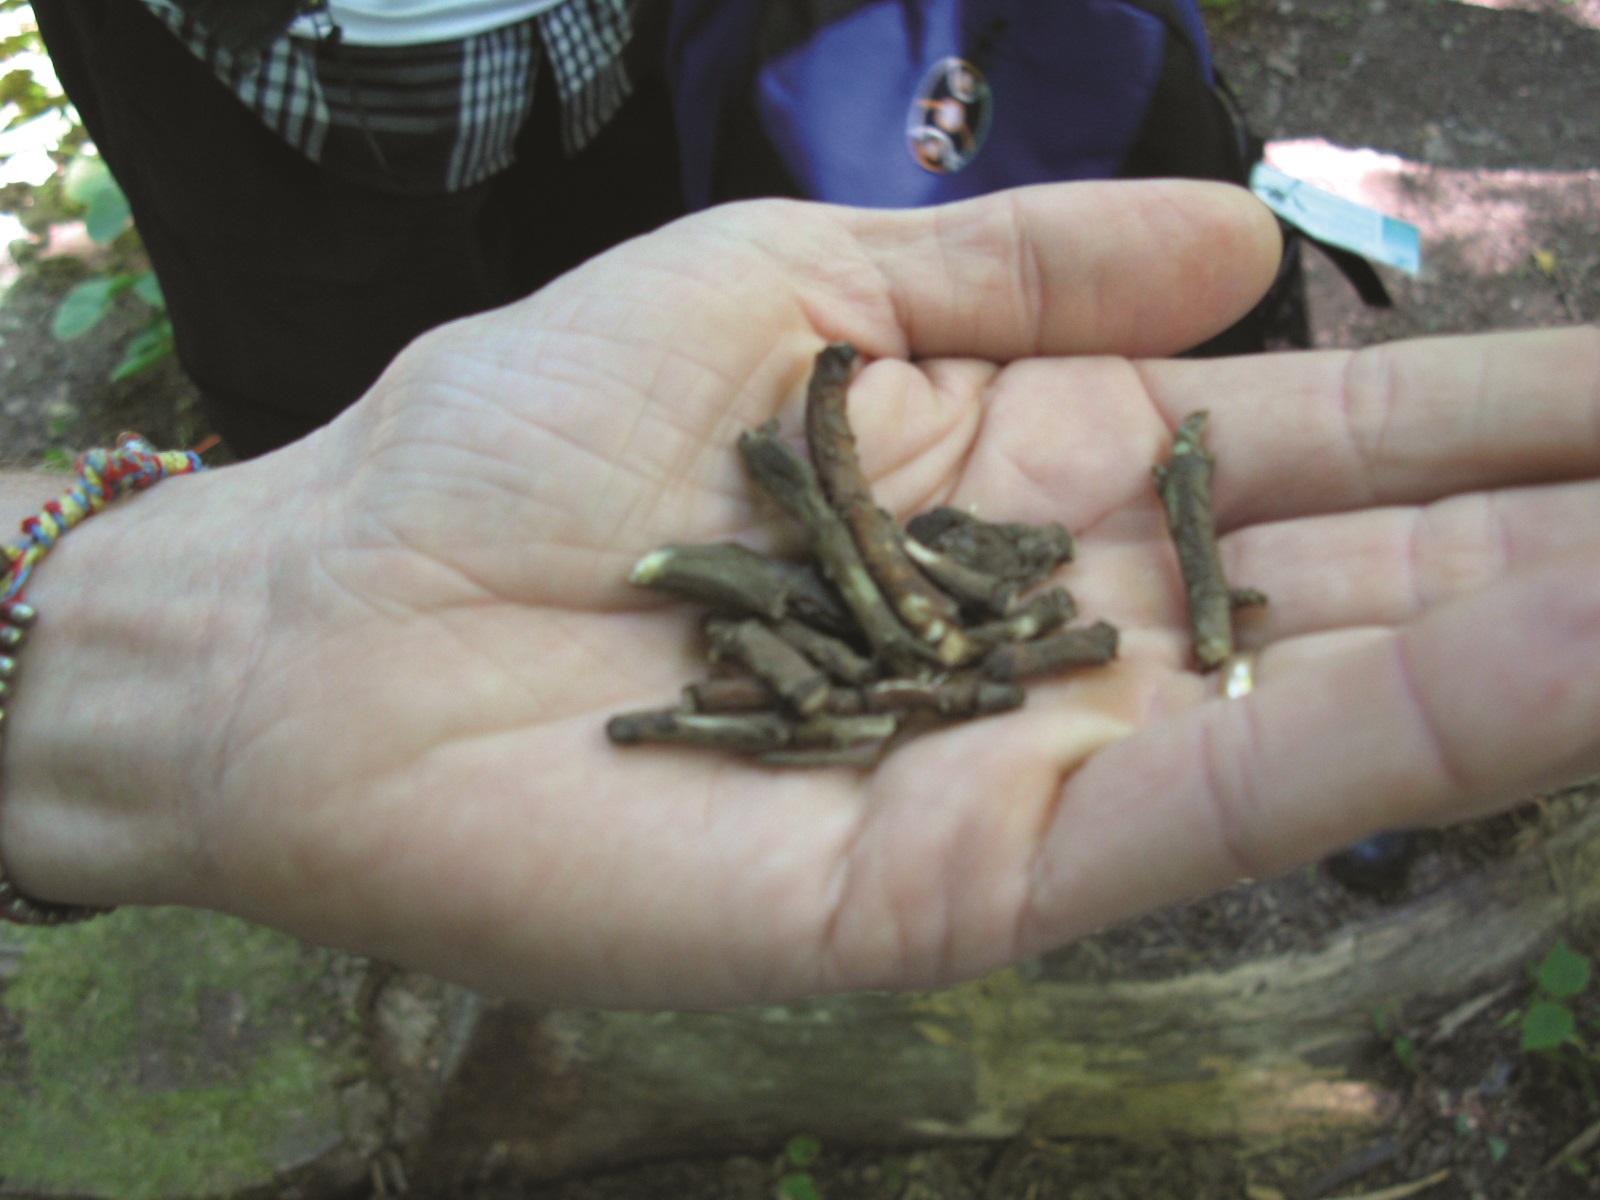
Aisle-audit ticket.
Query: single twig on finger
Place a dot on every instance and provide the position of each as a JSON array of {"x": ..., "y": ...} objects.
[
  {"x": 1184, "y": 483},
  {"x": 934, "y": 616}
]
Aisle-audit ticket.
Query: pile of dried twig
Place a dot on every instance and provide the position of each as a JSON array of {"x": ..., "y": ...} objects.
[{"x": 889, "y": 631}]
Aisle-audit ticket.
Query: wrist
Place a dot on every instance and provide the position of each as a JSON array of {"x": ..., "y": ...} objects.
[{"x": 148, "y": 613}]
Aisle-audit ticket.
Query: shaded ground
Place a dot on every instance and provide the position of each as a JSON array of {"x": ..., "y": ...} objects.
[
  {"x": 1478, "y": 122},
  {"x": 57, "y": 396}
]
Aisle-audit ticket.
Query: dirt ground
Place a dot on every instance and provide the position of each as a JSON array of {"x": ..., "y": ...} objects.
[{"x": 1479, "y": 122}]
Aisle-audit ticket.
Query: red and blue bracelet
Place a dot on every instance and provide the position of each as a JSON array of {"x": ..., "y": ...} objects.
[{"x": 103, "y": 476}]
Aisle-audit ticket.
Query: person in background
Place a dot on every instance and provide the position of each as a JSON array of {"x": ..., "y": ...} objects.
[{"x": 318, "y": 185}]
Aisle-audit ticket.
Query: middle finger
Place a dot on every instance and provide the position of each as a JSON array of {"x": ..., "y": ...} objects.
[{"x": 1385, "y": 566}]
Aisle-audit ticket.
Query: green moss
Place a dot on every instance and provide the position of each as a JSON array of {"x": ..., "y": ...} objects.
[
  {"x": 1133, "y": 1066},
  {"x": 166, "y": 1052}
]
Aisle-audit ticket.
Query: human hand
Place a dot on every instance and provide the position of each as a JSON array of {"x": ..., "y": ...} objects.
[{"x": 396, "y": 744}]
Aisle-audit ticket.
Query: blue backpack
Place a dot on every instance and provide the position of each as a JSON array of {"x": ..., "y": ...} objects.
[{"x": 902, "y": 103}]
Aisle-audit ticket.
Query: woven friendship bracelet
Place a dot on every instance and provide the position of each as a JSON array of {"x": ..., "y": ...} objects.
[{"x": 103, "y": 476}]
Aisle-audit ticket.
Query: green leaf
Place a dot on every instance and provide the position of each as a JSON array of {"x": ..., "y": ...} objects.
[
  {"x": 1498, "y": 1147},
  {"x": 1562, "y": 973},
  {"x": 1546, "y": 1025},
  {"x": 801, "y": 1150},
  {"x": 85, "y": 175},
  {"x": 87, "y": 181},
  {"x": 106, "y": 214},
  {"x": 144, "y": 350},
  {"x": 798, "y": 1186},
  {"x": 19, "y": 86},
  {"x": 83, "y": 307},
  {"x": 148, "y": 289}
]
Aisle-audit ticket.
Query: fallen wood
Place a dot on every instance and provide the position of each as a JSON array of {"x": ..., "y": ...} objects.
[{"x": 1271, "y": 1053}]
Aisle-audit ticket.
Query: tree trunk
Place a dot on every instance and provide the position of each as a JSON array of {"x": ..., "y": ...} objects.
[{"x": 1273, "y": 1053}]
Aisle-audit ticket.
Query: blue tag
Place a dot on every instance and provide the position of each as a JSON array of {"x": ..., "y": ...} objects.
[{"x": 1338, "y": 221}]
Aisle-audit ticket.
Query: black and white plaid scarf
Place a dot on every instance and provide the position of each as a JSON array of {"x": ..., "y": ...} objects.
[{"x": 431, "y": 118}]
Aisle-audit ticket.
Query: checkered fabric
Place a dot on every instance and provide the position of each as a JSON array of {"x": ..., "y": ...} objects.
[{"x": 432, "y": 118}]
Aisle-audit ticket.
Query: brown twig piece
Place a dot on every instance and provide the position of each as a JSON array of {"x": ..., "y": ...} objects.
[
  {"x": 832, "y": 654},
  {"x": 798, "y": 681},
  {"x": 787, "y": 477},
  {"x": 961, "y": 695},
  {"x": 726, "y": 575},
  {"x": 730, "y": 693},
  {"x": 1021, "y": 554},
  {"x": 934, "y": 616},
  {"x": 1184, "y": 483},
  {"x": 833, "y": 732},
  {"x": 1043, "y": 613},
  {"x": 1091, "y": 645},
  {"x": 978, "y": 590},
  {"x": 736, "y": 733}
]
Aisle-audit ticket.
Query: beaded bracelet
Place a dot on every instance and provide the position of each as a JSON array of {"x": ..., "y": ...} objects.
[{"x": 103, "y": 476}]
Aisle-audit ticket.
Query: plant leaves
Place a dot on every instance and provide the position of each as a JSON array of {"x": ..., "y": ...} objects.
[
  {"x": 801, "y": 1150},
  {"x": 107, "y": 213},
  {"x": 144, "y": 350},
  {"x": 798, "y": 1186},
  {"x": 148, "y": 289},
  {"x": 1546, "y": 1025},
  {"x": 85, "y": 175},
  {"x": 1562, "y": 973},
  {"x": 88, "y": 182},
  {"x": 82, "y": 308}
]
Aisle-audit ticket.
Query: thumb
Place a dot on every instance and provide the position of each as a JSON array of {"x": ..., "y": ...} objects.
[{"x": 1133, "y": 268}]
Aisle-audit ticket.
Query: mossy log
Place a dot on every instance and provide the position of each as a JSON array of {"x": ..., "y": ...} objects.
[
  {"x": 1273, "y": 1054},
  {"x": 169, "y": 1054}
]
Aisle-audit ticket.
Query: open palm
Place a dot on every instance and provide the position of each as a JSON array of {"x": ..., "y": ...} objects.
[{"x": 415, "y": 765}]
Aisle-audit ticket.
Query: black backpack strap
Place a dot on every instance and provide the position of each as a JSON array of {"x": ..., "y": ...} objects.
[{"x": 1362, "y": 275}]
